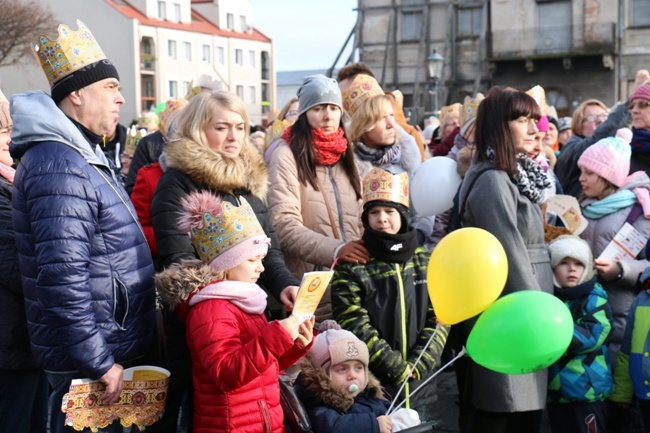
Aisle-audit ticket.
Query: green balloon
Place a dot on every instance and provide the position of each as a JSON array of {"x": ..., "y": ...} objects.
[
  {"x": 521, "y": 332},
  {"x": 160, "y": 108}
]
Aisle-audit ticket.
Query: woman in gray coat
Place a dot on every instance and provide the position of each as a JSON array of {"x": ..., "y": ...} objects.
[{"x": 505, "y": 202}]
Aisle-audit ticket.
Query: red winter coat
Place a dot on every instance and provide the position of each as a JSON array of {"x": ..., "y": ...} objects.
[
  {"x": 141, "y": 196},
  {"x": 236, "y": 361}
]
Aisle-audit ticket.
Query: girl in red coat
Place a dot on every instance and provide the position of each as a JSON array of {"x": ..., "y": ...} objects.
[{"x": 236, "y": 354}]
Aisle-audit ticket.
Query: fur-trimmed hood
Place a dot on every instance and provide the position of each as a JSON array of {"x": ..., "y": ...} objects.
[
  {"x": 315, "y": 388},
  {"x": 218, "y": 172},
  {"x": 177, "y": 283}
]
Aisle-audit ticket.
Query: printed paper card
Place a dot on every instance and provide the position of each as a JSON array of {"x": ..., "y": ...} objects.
[
  {"x": 627, "y": 243},
  {"x": 567, "y": 208},
  {"x": 142, "y": 401},
  {"x": 312, "y": 289}
]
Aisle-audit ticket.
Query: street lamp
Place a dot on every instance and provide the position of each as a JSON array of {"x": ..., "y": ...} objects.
[{"x": 435, "y": 62}]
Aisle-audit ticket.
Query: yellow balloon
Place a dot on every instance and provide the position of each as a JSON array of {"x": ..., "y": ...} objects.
[{"x": 466, "y": 274}]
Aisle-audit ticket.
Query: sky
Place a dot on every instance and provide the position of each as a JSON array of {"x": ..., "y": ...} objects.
[{"x": 307, "y": 34}]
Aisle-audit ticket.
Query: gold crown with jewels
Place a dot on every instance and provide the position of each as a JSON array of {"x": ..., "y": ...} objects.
[
  {"x": 71, "y": 51},
  {"x": 381, "y": 185},
  {"x": 219, "y": 233}
]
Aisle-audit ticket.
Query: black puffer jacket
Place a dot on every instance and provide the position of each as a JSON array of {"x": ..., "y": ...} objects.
[{"x": 15, "y": 353}]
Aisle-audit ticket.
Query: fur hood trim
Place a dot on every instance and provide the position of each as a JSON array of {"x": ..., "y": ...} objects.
[
  {"x": 317, "y": 383},
  {"x": 176, "y": 283},
  {"x": 217, "y": 172}
]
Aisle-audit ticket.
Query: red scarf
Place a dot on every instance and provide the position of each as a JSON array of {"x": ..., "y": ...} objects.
[{"x": 328, "y": 147}]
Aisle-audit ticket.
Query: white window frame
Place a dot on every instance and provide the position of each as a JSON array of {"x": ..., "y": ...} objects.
[
  {"x": 252, "y": 94},
  {"x": 251, "y": 58},
  {"x": 239, "y": 57},
  {"x": 172, "y": 49},
  {"x": 187, "y": 51},
  {"x": 172, "y": 88},
  {"x": 205, "y": 53},
  {"x": 239, "y": 91},
  {"x": 220, "y": 55},
  {"x": 230, "y": 21},
  {"x": 162, "y": 9}
]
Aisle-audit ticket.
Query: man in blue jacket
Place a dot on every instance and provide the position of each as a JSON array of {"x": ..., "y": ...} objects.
[{"x": 86, "y": 269}]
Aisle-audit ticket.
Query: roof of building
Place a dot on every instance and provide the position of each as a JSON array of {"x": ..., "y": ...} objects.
[
  {"x": 199, "y": 23},
  {"x": 295, "y": 78}
]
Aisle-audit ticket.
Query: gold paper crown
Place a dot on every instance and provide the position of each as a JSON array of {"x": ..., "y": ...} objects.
[
  {"x": 171, "y": 106},
  {"x": 71, "y": 51},
  {"x": 220, "y": 233},
  {"x": 539, "y": 96},
  {"x": 470, "y": 106},
  {"x": 449, "y": 111},
  {"x": 133, "y": 137},
  {"x": 381, "y": 185},
  {"x": 363, "y": 87},
  {"x": 148, "y": 121}
]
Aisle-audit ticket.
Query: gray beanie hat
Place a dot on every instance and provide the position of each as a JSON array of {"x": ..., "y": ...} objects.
[
  {"x": 316, "y": 90},
  {"x": 574, "y": 247}
]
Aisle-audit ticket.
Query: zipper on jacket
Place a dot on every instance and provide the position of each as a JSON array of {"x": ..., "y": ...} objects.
[
  {"x": 402, "y": 308},
  {"x": 337, "y": 197},
  {"x": 266, "y": 417}
]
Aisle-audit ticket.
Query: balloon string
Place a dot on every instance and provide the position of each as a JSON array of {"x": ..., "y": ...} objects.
[
  {"x": 410, "y": 373},
  {"x": 429, "y": 379}
]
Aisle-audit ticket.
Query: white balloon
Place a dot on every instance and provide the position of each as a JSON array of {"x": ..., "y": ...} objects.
[{"x": 434, "y": 186}]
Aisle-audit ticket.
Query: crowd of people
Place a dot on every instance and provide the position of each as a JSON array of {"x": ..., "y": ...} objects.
[{"x": 181, "y": 242}]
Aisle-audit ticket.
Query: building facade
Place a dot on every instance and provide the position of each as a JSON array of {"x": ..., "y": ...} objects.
[
  {"x": 575, "y": 49},
  {"x": 160, "y": 47}
]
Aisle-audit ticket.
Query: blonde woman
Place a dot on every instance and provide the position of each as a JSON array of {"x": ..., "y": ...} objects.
[{"x": 210, "y": 151}]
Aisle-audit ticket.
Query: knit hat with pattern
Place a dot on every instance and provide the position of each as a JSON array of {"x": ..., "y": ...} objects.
[{"x": 609, "y": 158}]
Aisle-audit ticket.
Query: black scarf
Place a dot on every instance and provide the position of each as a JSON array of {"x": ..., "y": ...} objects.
[{"x": 396, "y": 248}]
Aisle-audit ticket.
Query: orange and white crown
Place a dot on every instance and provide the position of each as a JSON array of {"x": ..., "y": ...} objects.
[
  {"x": 363, "y": 87},
  {"x": 450, "y": 112},
  {"x": 470, "y": 107},
  {"x": 382, "y": 185},
  {"x": 71, "y": 51},
  {"x": 133, "y": 137}
]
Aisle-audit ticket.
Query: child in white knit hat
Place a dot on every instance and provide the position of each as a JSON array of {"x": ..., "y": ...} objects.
[
  {"x": 339, "y": 392},
  {"x": 236, "y": 354},
  {"x": 581, "y": 380}
]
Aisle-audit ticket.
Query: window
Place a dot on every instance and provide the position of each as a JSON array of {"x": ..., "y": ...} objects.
[
  {"x": 265, "y": 67},
  {"x": 411, "y": 25},
  {"x": 470, "y": 21},
  {"x": 240, "y": 92},
  {"x": 162, "y": 10},
  {"x": 220, "y": 56},
  {"x": 171, "y": 49},
  {"x": 173, "y": 89},
  {"x": 177, "y": 12},
  {"x": 265, "y": 92},
  {"x": 640, "y": 13},
  {"x": 230, "y": 21},
  {"x": 242, "y": 23},
  {"x": 187, "y": 51},
  {"x": 251, "y": 58},
  {"x": 186, "y": 87},
  {"x": 239, "y": 57},
  {"x": 253, "y": 94},
  {"x": 205, "y": 53}
]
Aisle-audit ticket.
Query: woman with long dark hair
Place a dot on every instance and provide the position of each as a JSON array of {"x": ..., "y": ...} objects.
[
  {"x": 505, "y": 202},
  {"x": 315, "y": 193}
]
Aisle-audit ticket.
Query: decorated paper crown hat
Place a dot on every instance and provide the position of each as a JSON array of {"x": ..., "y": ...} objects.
[
  {"x": 539, "y": 95},
  {"x": 5, "y": 118},
  {"x": 449, "y": 111},
  {"x": 133, "y": 137},
  {"x": 171, "y": 106},
  {"x": 381, "y": 185},
  {"x": 223, "y": 235},
  {"x": 363, "y": 87},
  {"x": 148, "y": 121},
  {"x": 469, "y": 108},
  {"x": 73, "y": 61}
]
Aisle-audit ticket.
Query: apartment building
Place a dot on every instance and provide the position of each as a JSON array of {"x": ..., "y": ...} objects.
[{"x": 160, "y": 47}]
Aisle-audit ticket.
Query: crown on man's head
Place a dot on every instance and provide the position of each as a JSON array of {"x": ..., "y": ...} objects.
[
  {"x": 382, "y": 185},
  {"x": 71, "y": 51}
]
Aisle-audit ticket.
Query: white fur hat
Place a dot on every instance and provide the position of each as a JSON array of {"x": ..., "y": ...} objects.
[{"x": 574, "y": 247}]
